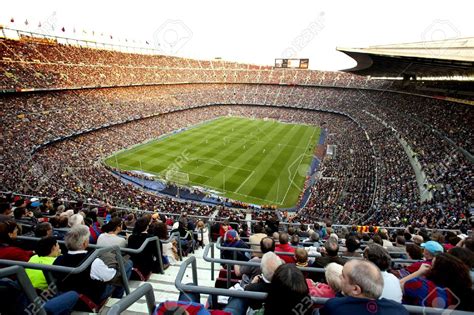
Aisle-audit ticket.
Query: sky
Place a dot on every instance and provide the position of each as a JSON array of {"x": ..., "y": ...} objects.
[{"x": 247, "y": 31}]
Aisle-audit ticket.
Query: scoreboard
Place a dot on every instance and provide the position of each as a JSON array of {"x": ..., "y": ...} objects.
[{"x": 292, "y": 63}]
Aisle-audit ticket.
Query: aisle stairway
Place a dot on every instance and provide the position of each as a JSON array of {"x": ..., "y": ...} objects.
[{"x": 163, "y": 284}]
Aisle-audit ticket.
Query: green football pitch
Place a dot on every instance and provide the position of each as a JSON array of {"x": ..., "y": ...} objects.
[{"x": 257, "y": 161}]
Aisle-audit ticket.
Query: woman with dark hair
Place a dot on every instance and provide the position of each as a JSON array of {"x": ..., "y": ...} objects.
[
  {"x": 168, "y": 250},
  {"x": 464, "y": 254},
  {"x": 288, "y": 293},
  {"x": 447, "y": 283},
  {"x": 144, "y": 262},
  {"x": 8, "y": 250}
]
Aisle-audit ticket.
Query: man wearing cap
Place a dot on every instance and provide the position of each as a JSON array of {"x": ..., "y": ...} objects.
[
  {"x": 232, "y": 239},
  {"x": 430, "y": 250}
]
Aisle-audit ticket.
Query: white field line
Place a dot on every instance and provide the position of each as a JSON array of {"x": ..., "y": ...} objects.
[
  {"x": 296, "y": 171},
  {"x": 243, "y": 183}
]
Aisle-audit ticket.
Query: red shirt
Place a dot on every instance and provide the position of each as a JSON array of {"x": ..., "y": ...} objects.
[
  {"x": 222, "y": 231},
  {"x": 287, "y": 249},
  {"x": 15, "y": 253},
  {"x": 415, "y": 266}
]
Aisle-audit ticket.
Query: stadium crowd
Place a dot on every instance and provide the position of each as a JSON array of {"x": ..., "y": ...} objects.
[
  {"x": 413, "y": 266},
  {"x": 371, "y": 174}
]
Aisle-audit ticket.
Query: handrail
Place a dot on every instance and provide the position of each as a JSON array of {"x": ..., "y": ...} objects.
[
  {"x": 236, "y": 249},
  {"x": 78, "y": 269},
  {"x": 25, "y": 285},
  {"x": 145, "y": 289},
  {"x": 122, "y": 249},
  {"x": 246, "y": 263},
  {"x": 195, "y": 288},
  {"x": 229, "y": 263}
]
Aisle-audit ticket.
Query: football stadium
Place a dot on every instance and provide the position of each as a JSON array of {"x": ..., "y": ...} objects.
[{"x": 257, "y": 160}]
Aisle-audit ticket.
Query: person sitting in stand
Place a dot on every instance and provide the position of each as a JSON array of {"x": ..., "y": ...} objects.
[
  {"x": 381, "y": 258},
  {"x": 284, "y": 247},
  {"x": 94, "y": 280},
  {"x": 332, "y": 273},
  {"x": 362, "y": 285},
  {"x": 232, "y": 239},
  {"x": 430, "y": 250},
  {"x": 224, "y": 228},
  {"x": 8, "y": 250},
  {"x": 110, "y": 237},
  {"x": 267, "y": 244},
  {"x": 446, "y": 283},
  {"x": 47, "y": 250}
]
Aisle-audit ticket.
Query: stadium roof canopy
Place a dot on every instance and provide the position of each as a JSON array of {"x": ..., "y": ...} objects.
[{"x": 435, "y": 60}]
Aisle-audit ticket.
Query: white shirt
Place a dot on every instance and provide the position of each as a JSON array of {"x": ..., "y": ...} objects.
[
  {"x": 99, "y": 270},
  {"x": 391, "y": 287},
  {"x": 106, "y": 239}
]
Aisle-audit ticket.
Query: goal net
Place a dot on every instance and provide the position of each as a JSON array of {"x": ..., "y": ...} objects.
[{"x": 177, "y": 177}]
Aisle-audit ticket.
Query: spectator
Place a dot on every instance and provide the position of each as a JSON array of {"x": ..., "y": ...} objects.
[
  {"x": 329, "y": 255},
  {"x": 446, "y": 283},
  {"x": 301, "y": 257},
  {"x": 430, "y": 250},
  {"x": 465, "y": 255},
  {"x": 146, "y": 261},
  {"x": 284, "y": 247},
  {"x": 260, "y": 283},
  {"x": 47, "y": 250},
  {"x": 295, "y": 241},
  {"x": 288, "y": 291},
  {"x": 93, "y": 281},
  {"x": 5, "y": 211},
  {"x": 110, "y": 237},
  {"x": 224, "y": 228},
  {"x": 414, "y": 251},
  {"x": 232, "y": 239},
  {"x": 362, "y": 285},
  {"x": 8, "y": 250},
  {"x": 332, "y": 274},
  {"x": 380, "y": 257},
  {"x": 352, "y": 247},
  {"x": 185, "y": 236},
  {"x": 399, "y": 250},
  {"x": 43, "y": 229},
  {"x": 76, "y": 219},
  {"x": 255, "y": 238},
  {"x": 267, "y": 244},
  {"x": 384, "y": 235},
  {"x": 169, "y": 248},
  {"x": 202, "y": 233}
]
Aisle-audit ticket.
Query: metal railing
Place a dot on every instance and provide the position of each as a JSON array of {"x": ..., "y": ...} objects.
[
  {"x": 47, "y": 269},
  {"x": 125, "y": 250},
  {"x": 229, "y": 263},
  {"x": 195, "y": 288},
  {"x": 236, "y": 249},
  {"x": 25, "y": 285},
  {"x": 144, "y": 290}
]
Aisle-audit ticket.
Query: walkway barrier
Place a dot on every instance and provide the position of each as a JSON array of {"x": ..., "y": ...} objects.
[
  {"x": 195, "y": 288},
  {"x": 25, "y": 285},
  {"x": 234, "y": 249},
  {"x": 229, "y": 263},
  {"x": 124, "y": 250},
  {"x": 145, "y": 289},
  {"x": 47, "y": 269}
]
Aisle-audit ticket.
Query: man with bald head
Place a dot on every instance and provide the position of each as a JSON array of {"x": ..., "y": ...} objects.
[{"x": 362, "y": 285}]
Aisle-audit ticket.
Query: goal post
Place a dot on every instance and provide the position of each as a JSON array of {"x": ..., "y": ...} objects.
[{"x": 177, "y": 177}]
